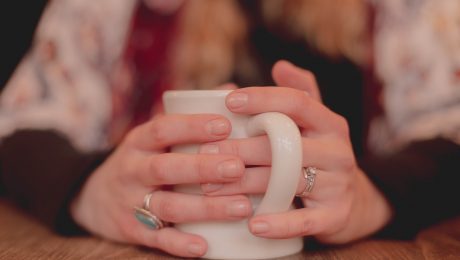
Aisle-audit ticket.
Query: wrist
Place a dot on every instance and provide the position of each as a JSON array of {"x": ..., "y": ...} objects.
[{"x": 373, "y": 211}]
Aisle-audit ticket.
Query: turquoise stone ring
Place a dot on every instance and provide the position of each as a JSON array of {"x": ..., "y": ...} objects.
[{"x": 148, "y": 219}]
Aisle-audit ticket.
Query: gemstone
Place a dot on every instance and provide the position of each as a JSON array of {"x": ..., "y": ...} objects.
[{"x": 146, "y": 218}]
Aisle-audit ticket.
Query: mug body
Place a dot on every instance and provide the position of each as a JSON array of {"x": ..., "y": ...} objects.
[{"x": 226, "y": 239}]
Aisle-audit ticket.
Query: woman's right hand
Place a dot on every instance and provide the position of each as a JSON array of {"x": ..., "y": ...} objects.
[{"x": 141, "y": 164}]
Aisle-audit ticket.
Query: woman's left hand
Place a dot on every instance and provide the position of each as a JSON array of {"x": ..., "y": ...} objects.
[{"x": 344, "y": 205}]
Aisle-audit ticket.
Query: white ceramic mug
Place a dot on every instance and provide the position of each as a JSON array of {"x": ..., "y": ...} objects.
[{"x": 232, "y": 239}]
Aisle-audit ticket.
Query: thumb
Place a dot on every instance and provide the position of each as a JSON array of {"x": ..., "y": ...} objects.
[{"x": 285, "y": 74}]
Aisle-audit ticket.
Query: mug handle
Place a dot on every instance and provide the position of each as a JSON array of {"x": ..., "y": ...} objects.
[{"x": 286, "y": 147}]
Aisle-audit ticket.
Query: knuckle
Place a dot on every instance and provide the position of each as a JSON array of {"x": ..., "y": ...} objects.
[
  {"x": 233, "y": 148},
  {"x": 292, "y": 228},
  {"x": 341, "y": 126},
  {"x": 227, "y": 147},
  {"x": 243, "y": 184},
  {"x": 241, "y": 198},
  {"x": 211, "y": 208},
  {"x": 346, "y": 161},
  {"x": 201, "y": 166},
  {"x": 305, "y": 226},
  {"x": 158, "y": 133},
  {"x": 157, "y": 167},
  {"x": 298, "y": 106},
  {"x": 167, "y": 210},
  {"x": 127, "y": 170},
  {"x": 344, "y": 186},
  {"x": 286, "y": 229},
  {"x": 300, "y": 100},
  {"x": 211, "y": 148},
  {"x": 129, "y": 138},
  {"x": 132, "y": 135},
  {"x": 347, "y": 187},
  {"x": 308, "y": 74}
]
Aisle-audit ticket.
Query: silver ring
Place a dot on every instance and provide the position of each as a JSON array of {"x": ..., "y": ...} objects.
[
  {"x": 309, "y": 174},
  {"x": 147, "y": 198},
  {"x": 146, "y": 217}
]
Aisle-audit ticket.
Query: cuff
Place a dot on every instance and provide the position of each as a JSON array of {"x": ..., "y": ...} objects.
[
  {"x": 41, "y": 172},
  {"x": 419, "y": 182}
]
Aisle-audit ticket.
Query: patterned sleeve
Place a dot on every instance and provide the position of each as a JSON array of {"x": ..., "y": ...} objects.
[
  {"x": 416, "y": 143},
  {"x": 417, "y": 59},
  {"x": 64, "y": 82},
  {"x": 56, "y": 108}
]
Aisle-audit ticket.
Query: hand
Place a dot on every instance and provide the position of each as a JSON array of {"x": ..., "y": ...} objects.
[
  {"x": 344, "y": 205},
  {"x": 141, "y": 165}
]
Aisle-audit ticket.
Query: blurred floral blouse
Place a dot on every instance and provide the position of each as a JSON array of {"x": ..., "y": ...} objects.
[{"x": 74, "y": 78}]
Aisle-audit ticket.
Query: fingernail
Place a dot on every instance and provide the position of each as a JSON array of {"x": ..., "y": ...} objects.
[
  {"x": 237, "y": 100},
  {"x": 259, "y": 227},
  {"x": 229, "y": 169},
  {"x": 209, "y": 149},
  {"x": 196, "y": 249},
  {"x": 238, "y": 209},
  {"x": 211, "y": 187},
  {"x": 218, "y": 127}
]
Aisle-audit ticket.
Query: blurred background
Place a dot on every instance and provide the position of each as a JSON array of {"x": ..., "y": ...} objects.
[{"x": 18, "y": 20}]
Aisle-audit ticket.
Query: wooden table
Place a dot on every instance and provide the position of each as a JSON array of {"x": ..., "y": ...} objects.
[{"x": 21, "y": 237}]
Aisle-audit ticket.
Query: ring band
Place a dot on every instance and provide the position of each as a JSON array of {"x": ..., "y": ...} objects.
[
  {"x": 146, "y": 217},
  {"x": 309, "y": 174},
  {"x": 147, "y": 198}
]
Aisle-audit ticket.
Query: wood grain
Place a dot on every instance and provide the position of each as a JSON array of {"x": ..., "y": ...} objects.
[{"x": 21, "y": 237}]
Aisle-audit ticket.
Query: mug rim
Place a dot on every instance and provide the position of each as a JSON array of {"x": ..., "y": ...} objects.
[{"x": 196, "y": 93}]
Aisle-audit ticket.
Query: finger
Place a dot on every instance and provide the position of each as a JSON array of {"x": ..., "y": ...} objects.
[
  {"x": 286, "y": 74},
  {"x": 318, "y": 152},
  {"x": 175, "y": 168},
  {"x": 295, "y": 223},
  {"x": 179, "y": 207},
  {"x": 169, "y": 240},
  {"x": 303, "y": 109},
  {"x": 166, "y": 130},
  {"x": 255, "y": 181}
]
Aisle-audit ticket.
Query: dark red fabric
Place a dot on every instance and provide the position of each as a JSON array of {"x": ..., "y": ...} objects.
[
  {"x": 146, "y": 55},
  {"x": 372, "y": 91}
]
